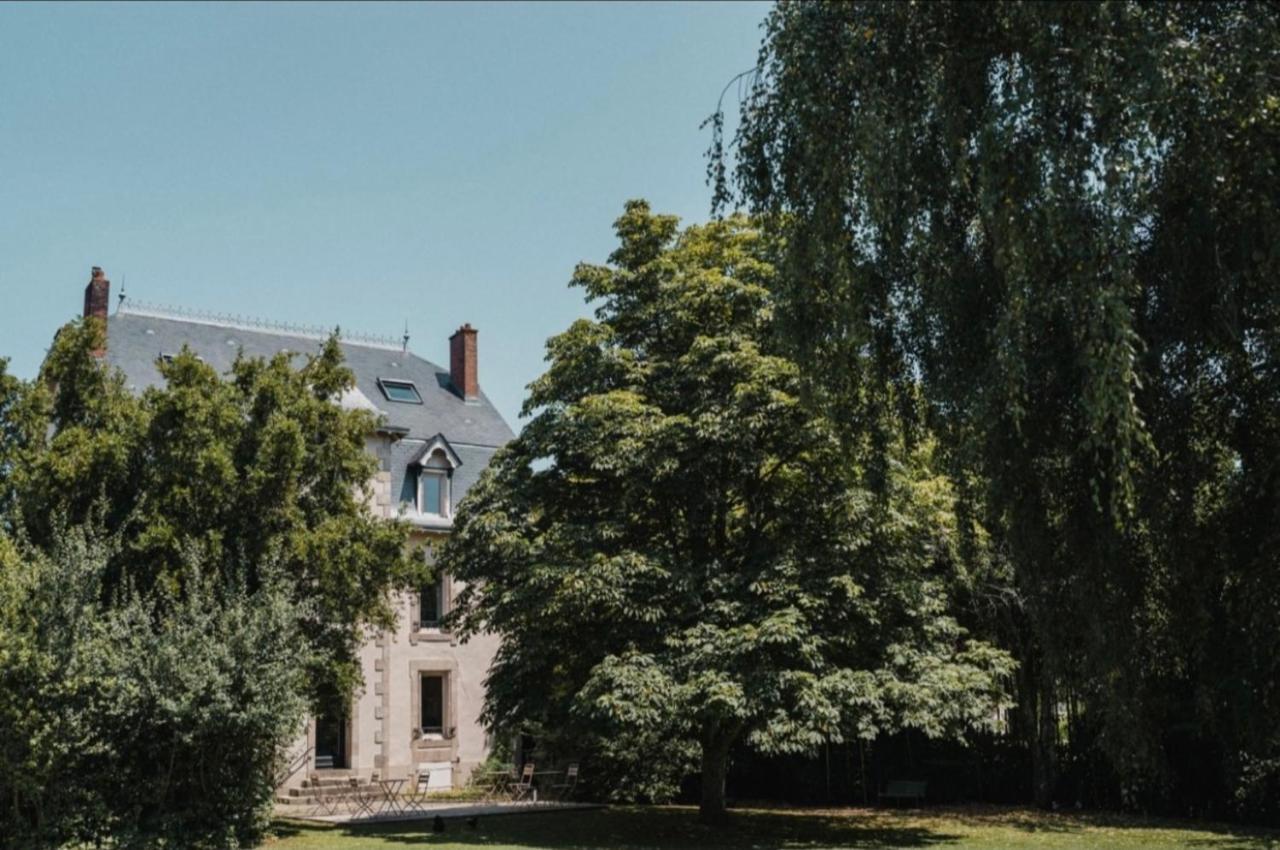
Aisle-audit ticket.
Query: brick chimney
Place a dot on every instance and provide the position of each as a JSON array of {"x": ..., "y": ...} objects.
[
  {"x": 97, "y": 298},
  {"x": 462, "y": 362},
  {"x": 97, "y": 295}
]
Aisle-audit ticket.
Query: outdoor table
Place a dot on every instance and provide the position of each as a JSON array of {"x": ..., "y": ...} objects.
[
  {"x": 497, "y": 783},
  {"x": 390, "y": 796},
  {"x": 538, "y": 774}
]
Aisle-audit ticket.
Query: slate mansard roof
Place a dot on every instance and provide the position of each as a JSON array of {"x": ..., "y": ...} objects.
[{"x": 136, "y": 339}]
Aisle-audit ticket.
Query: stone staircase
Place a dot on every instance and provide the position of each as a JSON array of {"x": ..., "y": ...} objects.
[{"x": 331, "y": 783}]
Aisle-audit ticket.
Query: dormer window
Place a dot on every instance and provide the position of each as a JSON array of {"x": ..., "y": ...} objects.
[
  {"x": 401, "y": 391},
  {"x": 435, "y": 463}
]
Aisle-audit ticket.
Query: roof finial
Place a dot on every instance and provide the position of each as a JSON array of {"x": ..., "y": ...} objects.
[
  {"x": 121, "y": 296},
  {"x": 405, "y": 348}
]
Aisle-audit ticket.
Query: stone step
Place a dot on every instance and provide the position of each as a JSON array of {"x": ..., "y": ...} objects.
[
  {"x": 330, "y": 787},
  {"x": 290, "y": 800},
  {"x": 306, "y": 798},
  {"x": 332, "y": 782},
  {"x": 331, "y": 790}
]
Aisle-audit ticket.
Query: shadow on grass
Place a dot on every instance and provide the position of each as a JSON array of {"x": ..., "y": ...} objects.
[
  {"x": 1190, "y": 832},
  {"x": 1201, "y": 833},
  {"x": 282, "y": 828},
  {"x": 636, "y": 828},
  {"x": 1240, "y": 840},
  {"x": 642, "y": 828}
]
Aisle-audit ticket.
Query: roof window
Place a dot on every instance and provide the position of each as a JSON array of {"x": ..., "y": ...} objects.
[{"x": 403, "y": 391}]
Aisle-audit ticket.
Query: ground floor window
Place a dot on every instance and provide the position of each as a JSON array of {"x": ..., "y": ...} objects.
[{"x": 432, "y": 703}]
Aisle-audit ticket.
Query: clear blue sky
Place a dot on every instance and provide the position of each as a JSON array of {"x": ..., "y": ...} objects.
[{"x": 360, "y": 165}]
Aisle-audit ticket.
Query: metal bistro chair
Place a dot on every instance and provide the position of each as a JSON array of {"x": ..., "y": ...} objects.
[
  {"x": 363, "y": 802},
  {"x": 323, "y": 802},
  {"x": 416, "y": 799},
  {"x": 564, "y": 790},
  {"x": 524, "y": 790}
]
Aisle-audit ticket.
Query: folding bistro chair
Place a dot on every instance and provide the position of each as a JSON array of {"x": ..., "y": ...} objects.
[
  {"x": 416, "y": 799},
  {"x": 324, "y": 803},
  {"x": 523, "y": 790},
  {"x": 563, "y": 790},
  {"x": 363, "y": 802}
]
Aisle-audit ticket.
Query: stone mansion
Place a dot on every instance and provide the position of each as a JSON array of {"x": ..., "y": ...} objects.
[{"x": 423, "y": 689}]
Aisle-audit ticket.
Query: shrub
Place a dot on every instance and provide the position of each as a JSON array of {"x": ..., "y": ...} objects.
[{"x": 148, "y": 721}]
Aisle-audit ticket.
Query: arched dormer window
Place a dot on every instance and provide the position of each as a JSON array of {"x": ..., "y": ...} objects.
[{"x": 435, "y": 464}]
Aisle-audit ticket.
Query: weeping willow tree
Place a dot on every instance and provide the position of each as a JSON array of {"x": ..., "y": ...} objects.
[{"x": 1060, "y": 221}]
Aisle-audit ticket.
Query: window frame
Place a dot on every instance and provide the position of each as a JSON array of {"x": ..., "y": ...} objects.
[
  {"x": 399, "y": 383},
  {"x": 436, "y": 624},
  {"x": 444, "y": 505},
  {"x": 433, "y": 732}
]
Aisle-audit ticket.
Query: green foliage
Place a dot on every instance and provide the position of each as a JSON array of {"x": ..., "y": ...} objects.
[
  {"x": 675, "y": 551},
  {"x": 181, "y": 574},
  {"x": 1060, "y": 222},
  {"x": 258, "y": 467},
  {"x": 145, "y": 721}
]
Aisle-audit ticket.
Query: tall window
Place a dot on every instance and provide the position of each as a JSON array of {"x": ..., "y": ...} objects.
[
  {"x": 434, "y": 493},
  {"x": 431, "y": 606},
  {"x": 432, "y": 703}
]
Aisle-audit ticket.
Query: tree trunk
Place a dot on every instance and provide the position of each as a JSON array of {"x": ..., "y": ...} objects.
[
  {"x": 1046, "y": 756},
  {"x": 1036, "y": 724},
  {"x": 715, "y": 766}
]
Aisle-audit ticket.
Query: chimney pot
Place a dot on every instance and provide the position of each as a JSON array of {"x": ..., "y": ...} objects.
[{"x": 462, "y": 362}]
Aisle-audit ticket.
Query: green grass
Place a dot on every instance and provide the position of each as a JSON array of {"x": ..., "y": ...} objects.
[{"x": 636, "y": 828}]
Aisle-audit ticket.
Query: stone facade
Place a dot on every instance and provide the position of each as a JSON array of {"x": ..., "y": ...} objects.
[
  {"x": 383, "y": 732},
  {"x": 384, "y": 737}
]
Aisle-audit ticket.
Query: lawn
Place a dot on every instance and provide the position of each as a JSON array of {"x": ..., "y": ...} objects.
[{"x": 634, "y": 828}]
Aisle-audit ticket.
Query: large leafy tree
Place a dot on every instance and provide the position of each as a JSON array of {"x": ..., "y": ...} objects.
[
  {"x": 259, "y": 466},
  {"x": 676, "y": 552},
  {"x": 1061, "y": 221}
]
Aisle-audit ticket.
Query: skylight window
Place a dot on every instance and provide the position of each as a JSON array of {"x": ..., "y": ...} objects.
[{"x": 403, "y": 391}]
